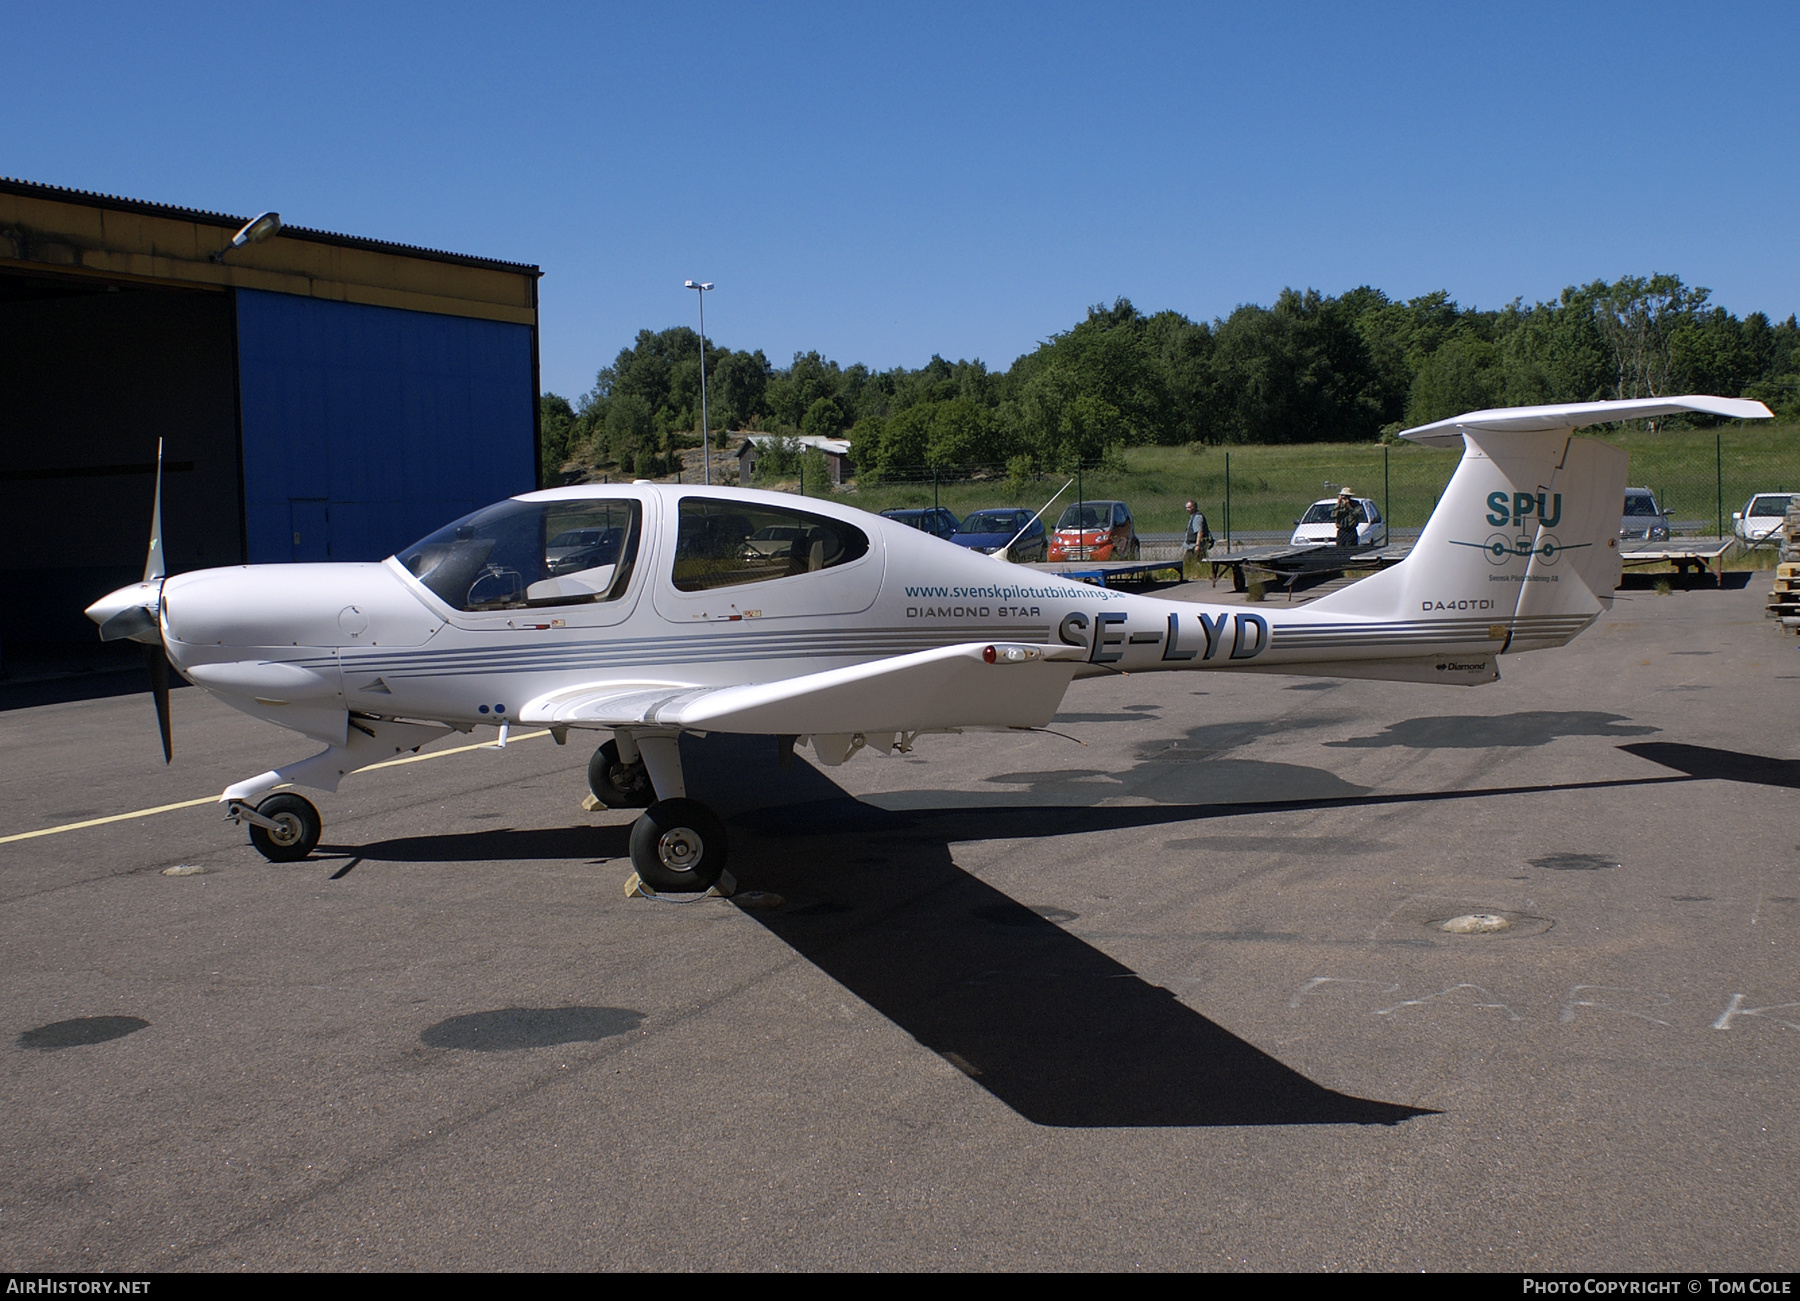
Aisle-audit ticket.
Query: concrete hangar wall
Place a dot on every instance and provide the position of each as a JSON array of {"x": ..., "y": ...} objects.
[{"x": 320, "y": 396}]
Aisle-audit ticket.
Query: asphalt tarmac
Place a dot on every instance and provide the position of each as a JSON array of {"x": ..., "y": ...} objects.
[{"x": 1171, "y": 995}]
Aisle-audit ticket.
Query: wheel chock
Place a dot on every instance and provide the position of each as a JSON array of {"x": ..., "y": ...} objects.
[
  {"x": 592, "y": 805},
  {"x": 636, "y": 889}
]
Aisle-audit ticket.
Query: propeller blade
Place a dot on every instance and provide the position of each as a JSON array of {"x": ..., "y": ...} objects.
[
  {"x": 153, "y": 563},
  {"x": 157, "y": 661}
]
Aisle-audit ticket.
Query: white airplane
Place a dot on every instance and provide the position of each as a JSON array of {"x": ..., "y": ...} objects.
[{"x": 650, "y": 610}]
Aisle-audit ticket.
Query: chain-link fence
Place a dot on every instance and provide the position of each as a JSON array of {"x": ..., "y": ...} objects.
[{"x": 1253, "y": 496}]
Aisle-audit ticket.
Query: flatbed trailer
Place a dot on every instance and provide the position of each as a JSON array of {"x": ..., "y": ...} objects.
[
  {"x": 1288, "y": 564},
  {"x": 1699, "y": 554},
  {"x": 1102, "y": 573}
]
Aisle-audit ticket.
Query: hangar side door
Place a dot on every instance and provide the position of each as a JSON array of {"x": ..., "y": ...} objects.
[{"x": 309, "y": 520}]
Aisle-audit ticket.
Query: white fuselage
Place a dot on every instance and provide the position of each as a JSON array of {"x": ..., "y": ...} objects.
[{"x": 305, "y": 645}]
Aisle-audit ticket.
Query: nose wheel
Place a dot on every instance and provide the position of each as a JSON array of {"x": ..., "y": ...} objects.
[
  {"x": 678, "y": 845},
  {"x": 284, "y": 828}
]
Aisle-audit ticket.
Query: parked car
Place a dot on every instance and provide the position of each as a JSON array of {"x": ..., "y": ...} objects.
[
  {"x": 1643, "y": 519},
  {"x": 1095, "y": 530},
  {"x": 774, "y": 540},
  {"x": 575, "y": 545},
  {"x": 1762, "y": 516},
  {"x": 934, "y": 520},
  {"x": 1319, "y": 524},
  {"x": 987, "y": 531}
]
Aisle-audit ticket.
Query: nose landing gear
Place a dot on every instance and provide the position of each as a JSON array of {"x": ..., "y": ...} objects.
[{"x": 284, "y": 828}]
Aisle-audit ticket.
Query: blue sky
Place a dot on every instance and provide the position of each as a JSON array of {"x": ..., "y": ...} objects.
[{"x": 882, "y": 182}]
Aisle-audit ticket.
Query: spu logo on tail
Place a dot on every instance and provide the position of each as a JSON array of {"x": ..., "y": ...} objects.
[{"x": 1517, "y": 507}]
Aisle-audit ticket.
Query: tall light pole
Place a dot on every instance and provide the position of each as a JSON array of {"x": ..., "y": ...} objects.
[{"x": 705, "y": 432}]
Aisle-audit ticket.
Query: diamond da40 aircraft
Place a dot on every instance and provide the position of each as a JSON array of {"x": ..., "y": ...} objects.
[{"x": 646, "y": 611}]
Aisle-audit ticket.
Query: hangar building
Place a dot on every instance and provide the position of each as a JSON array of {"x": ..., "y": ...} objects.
[{"x": 321, "y": 396}]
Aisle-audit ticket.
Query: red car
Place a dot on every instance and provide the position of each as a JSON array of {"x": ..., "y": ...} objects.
[{"x": 1095, "y": 530}]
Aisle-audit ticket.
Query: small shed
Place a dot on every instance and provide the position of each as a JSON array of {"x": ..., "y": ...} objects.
[{"x": 836, "y": 450}]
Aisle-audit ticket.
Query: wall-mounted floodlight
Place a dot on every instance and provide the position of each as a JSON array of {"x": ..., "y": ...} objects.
[
  {"x": 255, "y": 231},
  {"x": 705, "y": 433}
]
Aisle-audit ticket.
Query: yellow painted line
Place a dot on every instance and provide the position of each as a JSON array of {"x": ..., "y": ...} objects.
[
  {"x": 214, "y": 799},
  {"x": 117, "y": 817}
]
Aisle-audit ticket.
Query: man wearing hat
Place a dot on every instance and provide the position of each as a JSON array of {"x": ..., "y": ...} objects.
[{"x": 1346, "y": 516}]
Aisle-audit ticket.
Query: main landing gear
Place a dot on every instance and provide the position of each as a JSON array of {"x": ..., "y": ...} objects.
[
  {"x": 678, "y": 845},
  {"x": 618, "y": 784}
]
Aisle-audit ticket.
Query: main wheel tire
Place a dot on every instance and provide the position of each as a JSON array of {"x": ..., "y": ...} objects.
[
  {"x": 617, "y": 784},
  {"x": 296, "y": 833},
  {"x": 678, "y": 845}
]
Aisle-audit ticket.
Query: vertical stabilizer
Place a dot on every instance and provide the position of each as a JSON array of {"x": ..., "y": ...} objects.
[{"x": 1522, "y": 551}]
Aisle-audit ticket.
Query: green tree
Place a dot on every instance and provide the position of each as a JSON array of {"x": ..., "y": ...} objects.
[
  {"x": 1553, "y": 353},
  {"x": 906, "y": 442},
  {"x": 1298, "y": 372},
  {"x": 823, "y": 419},
  {"x": 1639, "y": 319},
  {"x": 739, "y": 381},
  {"x": 865, "y": 444},
  {"x": 1462, "y": 375},
  {"x": 630, "y": 428},
  {"x": 556, "y": 429},
  {"x": 963, "y": 433}
]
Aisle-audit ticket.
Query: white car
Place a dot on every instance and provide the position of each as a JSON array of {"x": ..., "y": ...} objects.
[
  {"x": 1319, "y": 524},
  {"x": 1762, "y": 516}
]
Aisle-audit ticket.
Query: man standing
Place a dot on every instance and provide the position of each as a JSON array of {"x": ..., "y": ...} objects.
[
  {"x": 1347, "y": 516},
  {"x": 1199, "y": 535}
]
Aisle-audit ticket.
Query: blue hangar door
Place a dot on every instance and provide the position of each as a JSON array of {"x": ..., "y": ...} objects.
[{"x": 365, "y": 428}]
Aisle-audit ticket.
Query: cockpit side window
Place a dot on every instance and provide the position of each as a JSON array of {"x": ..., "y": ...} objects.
[
  {"x": 521, "y": 554},
  {"x": 727, "y": 543}
]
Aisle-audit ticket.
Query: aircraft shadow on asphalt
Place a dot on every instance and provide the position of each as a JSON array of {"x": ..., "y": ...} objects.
[
  {"x": 496, "y": 844},
  {"x": 1051, "y": 1026},
  {"x": 1045, "y": 1022},
  {"x": 1704, "y": 763}
]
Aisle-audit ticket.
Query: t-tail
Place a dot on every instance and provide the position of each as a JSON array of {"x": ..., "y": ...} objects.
[{"x": 1522, "y": 550}]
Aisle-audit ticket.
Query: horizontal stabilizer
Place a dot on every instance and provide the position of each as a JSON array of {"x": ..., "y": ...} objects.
[{"x": 1576, "y": 415}]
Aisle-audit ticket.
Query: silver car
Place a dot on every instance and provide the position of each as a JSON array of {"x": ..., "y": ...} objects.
[{"x": 1643, "y": 520}]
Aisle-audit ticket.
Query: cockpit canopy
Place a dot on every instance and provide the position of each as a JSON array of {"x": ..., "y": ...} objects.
[{"x": 530, "y": 553}]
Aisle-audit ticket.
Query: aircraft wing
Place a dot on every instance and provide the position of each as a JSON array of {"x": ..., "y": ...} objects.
[{"x": 972, "y": 685}]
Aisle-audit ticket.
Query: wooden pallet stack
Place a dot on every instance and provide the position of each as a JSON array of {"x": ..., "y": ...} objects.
[{"x": 1784, "y": 601}]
